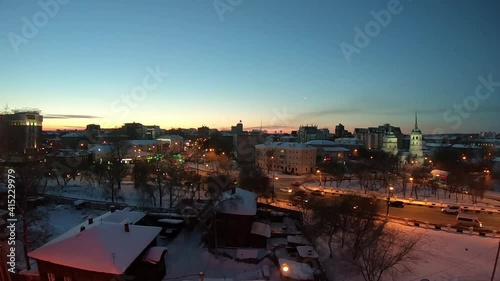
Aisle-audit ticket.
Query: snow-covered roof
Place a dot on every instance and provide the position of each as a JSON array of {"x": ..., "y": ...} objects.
[
  {"x": 307, "y": 252},
  {"x": 261, "y": 229},
  {"x": 349, "y": 140},
  {"x": 496, "y": 159},
  {"x": 438, "y": 145},
  {"x": 143, "y": 142},
  {"x": 117, "y": 217},
  {"x": 296, "y": 270},
  {"x": 242, "y": 202},
  {"x": 100, "y": 149},
  {"x": 320, "y": 142},
  {"x": 74, "y": 135},
  {"x": 72, "y": 152},
  {"x": 285, "y": 145},
  {"x": 466, "y": 146},
  {"x": 439, "y": 172},
  {"x": 153, "y": 255},
  {"x": 247, "y": 253},
  {"x": 297, "y": 240},
  {"x": 105, "y": 248},
  {"x": 336, "y": 149}
]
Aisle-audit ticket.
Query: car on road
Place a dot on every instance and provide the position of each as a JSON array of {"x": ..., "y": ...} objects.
[
  {"x": 296, "y": 199},
  {"x": 451, "y": 210},
  {"x": 286, "y": 189},
  {"x": 297, "y": 183},
  {"x": 397, "y": 204},
  {"x": 301, "y": 193},
  {"x": 317, "y": 193}
]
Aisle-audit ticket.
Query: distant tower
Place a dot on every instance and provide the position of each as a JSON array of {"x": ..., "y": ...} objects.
[
  {"x": 390, "y": 142},
  {"x": 416, "y": 142},
  {"x": 238, "y": 129}
]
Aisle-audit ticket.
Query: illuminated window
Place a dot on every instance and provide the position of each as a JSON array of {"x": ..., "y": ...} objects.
[{"x": 51, "y": 277}]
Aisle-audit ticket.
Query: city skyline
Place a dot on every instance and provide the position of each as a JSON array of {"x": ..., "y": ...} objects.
[{"x": 186, "y": 64}]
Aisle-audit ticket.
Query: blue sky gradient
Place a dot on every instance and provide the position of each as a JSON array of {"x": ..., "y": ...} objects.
[{"x": 275, "y": 61}]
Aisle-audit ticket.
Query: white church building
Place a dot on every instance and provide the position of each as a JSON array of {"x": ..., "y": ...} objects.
[{"x": 416, "y": 151}]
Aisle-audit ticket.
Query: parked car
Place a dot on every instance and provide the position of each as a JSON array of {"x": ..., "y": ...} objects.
[
  {"x": 317, "y": 193},
  {"x": 297, "y": 199},
  {"x": 301, "y": 193},
  {"x": 451, "y": 210},
  {"x": 397, "y": 204},
  {"x": 286, "y": 189},
  {"x": 468, "y": 220},
  {"x": 297, "y": 183}
]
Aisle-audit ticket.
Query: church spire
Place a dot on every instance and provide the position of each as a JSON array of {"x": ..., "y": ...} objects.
[{"x": 416, "y": 125}]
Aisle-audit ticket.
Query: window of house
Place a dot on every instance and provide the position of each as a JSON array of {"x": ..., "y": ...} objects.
[{"x": 51, "y": 276}]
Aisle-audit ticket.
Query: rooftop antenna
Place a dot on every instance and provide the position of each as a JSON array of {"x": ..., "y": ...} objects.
[
  {"x": 261, "y": 124},
  {"x": 113, "y": 254}
]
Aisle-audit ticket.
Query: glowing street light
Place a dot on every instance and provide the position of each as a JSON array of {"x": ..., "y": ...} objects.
[
  {"x": 285, "y": 267},
  {"x": 389, "y": 191}
]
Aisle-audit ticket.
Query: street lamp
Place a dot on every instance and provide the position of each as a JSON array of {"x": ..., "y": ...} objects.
[
  {"x": 389, "y": 191},
  {"x": 285, "y": 267},
  {"x": 319, "y": 172},
  {"x": 274, "y": 180}
]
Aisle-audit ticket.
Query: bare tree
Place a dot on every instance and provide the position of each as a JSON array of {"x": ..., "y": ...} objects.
[
  {"x": 269, "y": 159},
  {"x": 33, "y": 231},
  {"x": 173, "y": 176},
  {"x": 141, "y": 173},
  {"x": 116, "y": 170},
  {"x": 386, "y": 252}
]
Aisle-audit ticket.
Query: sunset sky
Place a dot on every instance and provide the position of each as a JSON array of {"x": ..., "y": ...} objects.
[{"x": 270, "y": 60}]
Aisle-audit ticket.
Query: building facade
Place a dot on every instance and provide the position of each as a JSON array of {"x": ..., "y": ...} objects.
[
  {"x": 21, "y": 136},
  {"x": 286, "y": 157},
  {"x": 416, "y": 143}
]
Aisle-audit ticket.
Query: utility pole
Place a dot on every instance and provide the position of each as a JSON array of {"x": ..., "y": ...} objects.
[{"x": 496, "y": 261}]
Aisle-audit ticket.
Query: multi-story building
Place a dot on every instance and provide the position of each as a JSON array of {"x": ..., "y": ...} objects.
[
  {"x": 203, "y": 132},
  {"x": 173, "y": 143},
  {"x": 152, "y": 132},
  {"x": 286, "y": 157},
  {"x": 311, "y": 132},
  {"x": 244, "y": 148},
  {"x": 135, "y": 131},
  {"x": 373, "y": 137},
  {"x": 238, "y": 129},
  {"x": 339, "y": 131},
  {"x": 21, "y": 134},
  {"x": 390, "y": 143}
]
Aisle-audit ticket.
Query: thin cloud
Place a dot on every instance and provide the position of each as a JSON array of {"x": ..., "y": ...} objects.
[{"x": 69, "y": 116}]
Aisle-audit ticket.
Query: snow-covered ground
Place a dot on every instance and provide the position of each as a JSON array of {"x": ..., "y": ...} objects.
[
  {"x": 443, "y": 256},
  {"x": 397, "y": 194}
]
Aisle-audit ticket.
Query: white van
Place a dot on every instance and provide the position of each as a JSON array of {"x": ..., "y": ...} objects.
[{"x": 468, "y": 220}]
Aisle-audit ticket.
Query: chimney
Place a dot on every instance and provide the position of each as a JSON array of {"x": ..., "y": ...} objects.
[
  {"x": 233, "y": 191},
  {"x": 202, "y": 276},
  {"x": 91, "y": 220},
  {"x": 127, "y": 227},
  {"x": 82, "y": 228},
  {"x": 112, "y": 208}
]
